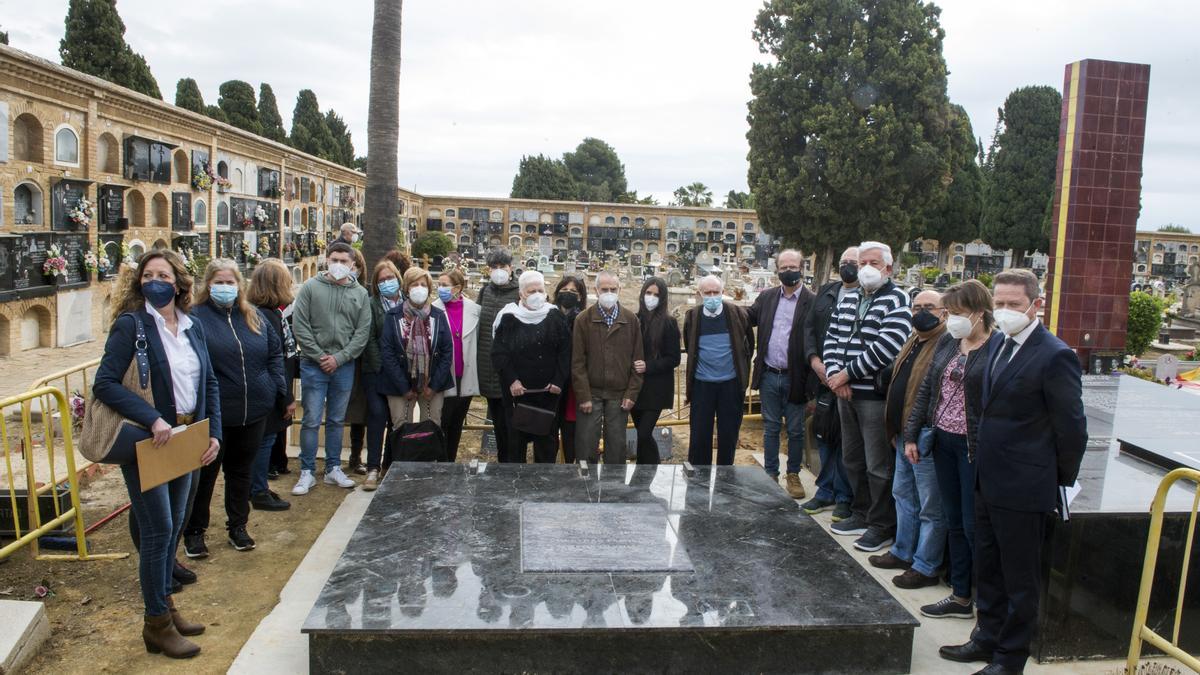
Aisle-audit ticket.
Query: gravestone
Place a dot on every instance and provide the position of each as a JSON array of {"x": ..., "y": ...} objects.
[
  {"x": 181, "y": 211},
  {"x": 1166, "y": 368},
  {"x": 8, "y": 247},
  {"x": 64, "y": 196},
  {"x": 30, "y": 255},
  {"x": 1190, "y": 296},
  {"x": 111, "y": 207},
  {"x": 74, "y": 318},
  {"x": 72, "y": 247},
  {"x": 586, "y": 537},
  {"x": 487, "y": 444}
]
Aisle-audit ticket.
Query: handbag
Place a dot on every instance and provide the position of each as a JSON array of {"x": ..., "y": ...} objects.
[
  {"x": 106, "y": 436},
  {"x": 534, "y": 420},
  {"x": 827, "y": 425}
]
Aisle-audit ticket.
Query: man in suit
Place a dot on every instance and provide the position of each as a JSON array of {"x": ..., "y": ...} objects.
[
  {"x": 781, "y": 372},
  {"x": 1032, "y": 435}
]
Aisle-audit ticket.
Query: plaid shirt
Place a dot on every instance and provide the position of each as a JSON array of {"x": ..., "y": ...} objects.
[{"x": 608, "y": 318}]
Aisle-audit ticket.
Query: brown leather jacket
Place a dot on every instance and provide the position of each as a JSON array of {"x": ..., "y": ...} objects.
[{"x": 602, "y": 357}]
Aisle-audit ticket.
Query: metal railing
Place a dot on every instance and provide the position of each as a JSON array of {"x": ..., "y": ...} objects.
[
  {"x": 63, "y": 379},
  {"x": 1141, "y": 631}
]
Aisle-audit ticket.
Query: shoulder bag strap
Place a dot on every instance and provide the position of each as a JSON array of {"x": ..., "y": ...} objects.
[{"x": 143, "y": 358}]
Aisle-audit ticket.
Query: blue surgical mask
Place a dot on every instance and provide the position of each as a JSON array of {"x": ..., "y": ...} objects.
[
  {"x": 388, "y": 287},
  {"x": 223, "y": 294},
  {"x": 712, "y": 303},
  {"x": 158, "y": 292},
  {"x": 445, "y": 293}
]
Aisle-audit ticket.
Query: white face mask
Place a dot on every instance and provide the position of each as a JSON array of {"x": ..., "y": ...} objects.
[
  {"x": 535, "y": 301},
  {"x": 1011, "y": 321},
  {"x": 869, "y": 277},
  {"x": 499, "y": 277},
  {"x": 959, "y": 326},
  {"x": 651, "y": 301},
  {"x": 418, "y": 295},
  {"x": 339, "y": 271},
  {"x": 608, "y": 300}
]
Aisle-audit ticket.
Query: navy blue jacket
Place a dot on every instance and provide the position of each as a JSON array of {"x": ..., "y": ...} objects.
[
  {"x": 118, "y": 354},
  {"x": 393, "y": 379},
  {"x": 1032, "y": 430},
  {"x": 249, "y": 365}
]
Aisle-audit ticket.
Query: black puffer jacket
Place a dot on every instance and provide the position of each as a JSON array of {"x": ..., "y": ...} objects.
[
  {"x": 924, "y": 409},
  {"x": 248, "y": 365}
]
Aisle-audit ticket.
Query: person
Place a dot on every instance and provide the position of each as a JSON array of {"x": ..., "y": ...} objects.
[
  {"x": 271, "y": 291},
  {"x": 570, "y": 296},
  {"x": 348, "y": 234},
  {"x": 1031, "y": 439},
  {"x": 417, "y": 353},
  {"x": 781, "y": 373},
  {"x": 531, "y": 350},
  {"x": 248, "y": 361},
  {"x": 356, "y": 407},
  {"x": 463, "y": 316},
  {"x": 151, "y": 308},
  {"x": 332, "y": 323},
  {"x": 871, "y": 325},
  {"x": 719, "y": 342},
  {"x": 385, "y": 296},
  {"x": 500, "y": 290},
  {"x": 833, "y": 488},
  {"x": 605, "y": 343},
  {"x": 660, "y": 347},
  {"x": 920, "y": 527}
]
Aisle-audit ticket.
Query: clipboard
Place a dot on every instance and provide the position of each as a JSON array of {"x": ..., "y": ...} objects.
[{"x": 178, "y": 456}]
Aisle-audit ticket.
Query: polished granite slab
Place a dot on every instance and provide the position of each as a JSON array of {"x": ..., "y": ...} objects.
[{"x": 433, "y": 577}]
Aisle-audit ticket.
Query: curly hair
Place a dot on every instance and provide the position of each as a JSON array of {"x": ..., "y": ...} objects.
[{"x": 128, "y": 294}]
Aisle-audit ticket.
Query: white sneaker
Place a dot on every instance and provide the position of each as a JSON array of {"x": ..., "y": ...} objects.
[
  {"x": 372, "y": 481},
  {"x": 336, "y": 477},
  {"x": 305, "y": 483}
]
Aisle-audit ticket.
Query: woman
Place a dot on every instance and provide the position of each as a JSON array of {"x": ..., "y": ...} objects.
[
  {"x": 660, "y": 344},
  {"x": 949, "y": 403},
  {"x": 417, "y": 353},
  {"x": 385, "y": 295},
  {"x": 531, "y": 352},
  {"x": 463, "y": 316},
  {"x": 248, "y": 361},
  {"x": 570, "y": 296},
  {"x": 151, "y": 309},
  {"x": 271, "y": 291},
  {"x": 356, "y": 408}
]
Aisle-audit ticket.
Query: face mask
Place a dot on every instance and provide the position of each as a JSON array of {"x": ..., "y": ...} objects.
[
  {"x": 388, "y": 287},
  {"x": 339, "y": 271},
  {"x": 712, "y": 303},
  {"x": 959, "y": 326},
  {"x": 789, "y": 278},
  {"x": 925, "y": 321},
  {"x": 870, "y": 278},
  {"x": 445, "y": 293},
  {"x": 608, "y": 300},
  {"x": 535, "y": 301},
  {"x": 499, "y": 277},
  {"x": 567, "y": 299},
  {"x": 848, "y": 272},
  {"x": 418, "y": 295},
  {"x": 651, "y": 301},
  {"x": 354, "y": 237},
  {"x": 158, "y": 292},
  {"x": 223, "y": 294},
  {"x": 1011, "y": 321}
]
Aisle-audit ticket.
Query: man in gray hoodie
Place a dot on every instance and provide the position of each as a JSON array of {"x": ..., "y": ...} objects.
[{"x": 332, "y": 323}]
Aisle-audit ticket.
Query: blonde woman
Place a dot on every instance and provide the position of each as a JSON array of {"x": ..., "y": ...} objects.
[
  {"x": 247, "y": 358},
  {"x": 271, "y": 291}
]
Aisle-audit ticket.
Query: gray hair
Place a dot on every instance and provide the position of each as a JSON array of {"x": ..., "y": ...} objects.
[
  {"x": 348, "y": 227},
  {"x": 882, "y": 248},
  {"x": 788, "y": 251},
  {"x": 530, "y": 277},
  {"x": 605, "y": 273},
  {"x": 499, "y": 257},
  {"x": 710, "y": 277}
]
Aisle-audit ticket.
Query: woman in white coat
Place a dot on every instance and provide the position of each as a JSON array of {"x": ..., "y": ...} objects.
[{"x": 463, "y": 315}]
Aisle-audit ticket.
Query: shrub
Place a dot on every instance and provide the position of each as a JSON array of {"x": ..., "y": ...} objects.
[
  {"x": 984, "y": 278},
  {"x": 433, "y": 244},
  {"x": 1145, "y": 318},
  {"x": 931, "y": 274}
]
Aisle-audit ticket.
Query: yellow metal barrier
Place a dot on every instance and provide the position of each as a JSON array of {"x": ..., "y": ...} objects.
[
  {"x": 1141, "y": 631},
  {"x": 63, "y": 379},
  {"x": 36, "y": 529}
]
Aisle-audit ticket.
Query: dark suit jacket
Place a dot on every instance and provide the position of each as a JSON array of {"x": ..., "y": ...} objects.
[
  {"x": 741, "y": 337},
  {"x": 762, "y": 316},
  {"x": 1032, "y": 432},
  {"x": 119, "y": 352}
]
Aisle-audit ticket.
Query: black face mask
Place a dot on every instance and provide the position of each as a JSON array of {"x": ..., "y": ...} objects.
[
  {"x": 789, "y": 277},
  {"x": 925, "y": 321},
  {"x": 848, "y": 272},
  {"x": 567, "y": 300}
]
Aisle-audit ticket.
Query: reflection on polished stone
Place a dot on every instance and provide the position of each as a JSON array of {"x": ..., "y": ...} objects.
[{"x": 651, "y": 570}]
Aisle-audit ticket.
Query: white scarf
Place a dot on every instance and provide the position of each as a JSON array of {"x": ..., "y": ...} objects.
[{"x": 523, "y": 313}]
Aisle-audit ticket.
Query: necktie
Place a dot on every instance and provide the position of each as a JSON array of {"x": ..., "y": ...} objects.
[{"x": 1002, "y": 360}]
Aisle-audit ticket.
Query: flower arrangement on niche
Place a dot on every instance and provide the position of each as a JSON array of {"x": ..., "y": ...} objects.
[
  {"x": 56, "y": 264},
  {"x": 90, "y": 262},
  {"x": 260, "y": 214},
  {"x": 81, "y": 213},
  {"x": 204, "y": 178},
  {"x": 251, "y": 256},
  {"x": 264, "y": 247}
]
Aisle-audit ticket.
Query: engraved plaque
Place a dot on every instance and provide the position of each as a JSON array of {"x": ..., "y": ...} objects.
[{"x": 587, "y": 537}]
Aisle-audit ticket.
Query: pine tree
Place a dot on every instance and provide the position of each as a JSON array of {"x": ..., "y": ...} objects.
[
  {"x": 3, "y": 37},
  {"x": 94, "y": 43},
  {"x": 310, "y": 133},
  {"x": 541, "y": 177},
  {"x": 237, "y": 100},
  {"x": 598, "y": 171},
  {"x": 268, "y": 114},
  {"x": 188, "y": 96},
  {"x": 343, "y": 146}
]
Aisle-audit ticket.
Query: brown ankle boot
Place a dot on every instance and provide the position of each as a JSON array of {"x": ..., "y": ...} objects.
[
  {"x": 160, "y": 636},
  {"x": 182, "y": 625}
]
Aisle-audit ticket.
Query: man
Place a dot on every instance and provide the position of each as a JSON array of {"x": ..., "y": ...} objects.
[
  {"x": 606, "y": 340},
  {"x": 920, "y": 529},
  {"x": 349, "y": 234},
  {"x": 719, "y": 342},
  {"x": 332, "y": 323},
  {"x": 833, "y": 488},
  {"x": 500, "y": 290},
  {"x": 781, "y": 373},
  {"x": 1031, "y": 440},
  {"x": 871, "y": 325}
]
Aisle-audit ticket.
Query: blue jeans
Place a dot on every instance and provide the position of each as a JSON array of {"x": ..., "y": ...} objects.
[
  {"x": 775, "y": 406},
  {"x": 328, "y": 395},
  {"x": 160, "y": 515},
  {"x": 262, "y": 463},
  {"x": 956, "y": 482},
  {"x": 920, "y": 528},
  {"x": 832, "y": 485}
]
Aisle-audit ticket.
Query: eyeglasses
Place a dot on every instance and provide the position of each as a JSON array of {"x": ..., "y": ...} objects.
[
  {"x": 927, "y": 308},
  {"x": 960, "y": 368}
]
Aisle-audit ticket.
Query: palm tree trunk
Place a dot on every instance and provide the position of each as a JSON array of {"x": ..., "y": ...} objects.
[{"x": 382, "y": 207}]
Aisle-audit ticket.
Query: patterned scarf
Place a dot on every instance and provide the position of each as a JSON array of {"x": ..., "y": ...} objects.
[{"x": 414, "y": 328}]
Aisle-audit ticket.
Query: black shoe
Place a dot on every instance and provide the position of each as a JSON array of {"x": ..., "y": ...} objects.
[
  {"x": 949, "y": 608},
  {"x": 272, "y": 474},
  {"x": 911, "y": 579},
  {"x": 816, "y": 505},
  {"x": 841, "y": 512},
  {"x": 176, "y": 587},
  {"x": 997, "y": 669},
  {"x": 182, "y": 574},
  {"x": 193, "y": 546},
  {"x": 888, "y": 561},
  {"x": 281, "y": 470},
  {"x": 269, "y": 501},
  {"x": 968, "y": 652},
  {"x": 240, "y": 540},
  {"x": 850, "y": 526},
  {"x": 872, "y": 540}
]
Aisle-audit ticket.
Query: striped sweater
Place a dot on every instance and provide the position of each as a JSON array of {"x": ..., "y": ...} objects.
[{"x": 864, "y": 346}]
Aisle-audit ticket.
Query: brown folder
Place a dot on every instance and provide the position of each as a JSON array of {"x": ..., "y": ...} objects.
[{"x": 176, "y": 457}]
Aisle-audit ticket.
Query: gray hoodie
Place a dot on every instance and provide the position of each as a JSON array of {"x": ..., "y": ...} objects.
[{"x": 331, "y": 318}]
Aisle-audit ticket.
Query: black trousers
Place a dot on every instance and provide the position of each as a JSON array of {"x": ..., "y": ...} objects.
[
  {"x": 500, "y": 426},
  {"x": 236, "y": 458},
  {"x": 566, "y": 432},
  {"x": 279, "y": 458},
  {"x": 722, "y": 401},
  {"x": 1008, "y": 546},
  {"x": 454, "y": 416},
  {"x": 647, "y": 448}
]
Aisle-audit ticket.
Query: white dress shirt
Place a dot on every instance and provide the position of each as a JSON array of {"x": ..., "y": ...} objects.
[
  {"x": 185, "y": 364},
  {"x": 1021, "y": 337}
]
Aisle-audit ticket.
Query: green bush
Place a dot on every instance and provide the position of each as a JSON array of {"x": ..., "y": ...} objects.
[
  {"x": 931, "y": 274},
  {"x": 433, "y": 244},
  {"x": 984, "y": 278},
  {"x": 1145, "y": 318}
]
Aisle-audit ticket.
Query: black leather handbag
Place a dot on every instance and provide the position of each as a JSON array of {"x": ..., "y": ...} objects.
[{"x": 532, "y": 419}]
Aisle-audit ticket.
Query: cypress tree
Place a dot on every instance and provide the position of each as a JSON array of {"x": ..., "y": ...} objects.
[
  {"x": 310, "y": 132},
  {"x": 188, "y": 96},
  {"x": 343, "y": 146},
  {"x": 216, "y": 113},
  {"x": 94, "y": 43},
  {"x": 237, "y": 100},
  {"x": 268, "y": 114}
]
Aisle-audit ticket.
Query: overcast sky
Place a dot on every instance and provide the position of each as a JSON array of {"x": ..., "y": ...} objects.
[{"x": 664, "y": 81}]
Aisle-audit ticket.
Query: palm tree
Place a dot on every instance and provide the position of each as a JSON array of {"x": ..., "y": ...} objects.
[
  {"x": 696, "y": 194},
  {"x": 380, "y": 224}
]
